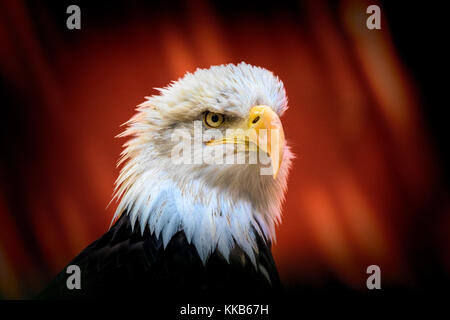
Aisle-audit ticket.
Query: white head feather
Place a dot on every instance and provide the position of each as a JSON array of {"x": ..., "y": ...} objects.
[{"x": 218, "y": 206}]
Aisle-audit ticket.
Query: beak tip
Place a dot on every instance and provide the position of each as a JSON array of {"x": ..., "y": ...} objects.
[{"x": 275, "y": 171}]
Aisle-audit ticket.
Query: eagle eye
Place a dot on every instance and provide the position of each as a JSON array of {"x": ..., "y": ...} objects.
[{"x": 213, "y": 120}]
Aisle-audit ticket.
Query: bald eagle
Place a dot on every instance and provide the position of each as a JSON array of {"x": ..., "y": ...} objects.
[{"x": 194, "y": 225}]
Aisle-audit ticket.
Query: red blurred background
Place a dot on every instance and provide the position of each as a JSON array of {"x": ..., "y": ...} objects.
[{"x": 367, "y": 183}]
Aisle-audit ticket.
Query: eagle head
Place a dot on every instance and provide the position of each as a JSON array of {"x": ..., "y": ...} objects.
[{"x": 208, "y": 156}]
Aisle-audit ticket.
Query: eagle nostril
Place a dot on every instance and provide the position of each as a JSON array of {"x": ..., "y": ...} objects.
[{"x": 256, "y": 120}]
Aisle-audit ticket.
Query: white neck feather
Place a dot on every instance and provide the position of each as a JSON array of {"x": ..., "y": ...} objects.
[{"x": 212, "y": 218}]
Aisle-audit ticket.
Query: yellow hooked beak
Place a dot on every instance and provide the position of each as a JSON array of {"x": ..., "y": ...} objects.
[{"x": 264, "y": 130}]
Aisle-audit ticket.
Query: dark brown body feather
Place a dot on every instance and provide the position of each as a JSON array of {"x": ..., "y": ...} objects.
[{"x": 124, "y": 263}]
